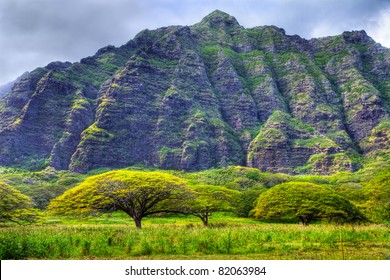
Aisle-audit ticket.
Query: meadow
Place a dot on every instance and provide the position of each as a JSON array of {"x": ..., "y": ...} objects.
[
  {"x": 230, "y": 234},
  {"x": 182, "y": 237}
]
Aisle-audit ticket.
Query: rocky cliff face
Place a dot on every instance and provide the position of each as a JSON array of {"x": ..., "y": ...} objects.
[{"x": 209, "y": 95}]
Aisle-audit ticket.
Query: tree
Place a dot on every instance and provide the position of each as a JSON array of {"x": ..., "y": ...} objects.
[
  {"x": 208, "y": 199},
  {"x": 377, "y": 197},
  {"x": 138, "y": 194},
  {"x": 15, "y": 206},
  {"x": 305, "y": 201},
  {"x": 245, "y": 201}
]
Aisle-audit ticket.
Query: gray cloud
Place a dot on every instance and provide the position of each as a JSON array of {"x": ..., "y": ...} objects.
[{"x": 36, "y": 32}]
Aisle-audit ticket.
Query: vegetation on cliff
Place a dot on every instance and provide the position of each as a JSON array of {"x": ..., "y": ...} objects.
[{"x": 205, "y": 96}]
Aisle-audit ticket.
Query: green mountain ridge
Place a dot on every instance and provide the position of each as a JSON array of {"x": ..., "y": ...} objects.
[{"x": 206, "y": 96}]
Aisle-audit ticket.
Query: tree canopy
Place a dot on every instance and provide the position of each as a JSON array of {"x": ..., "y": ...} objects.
[
  {"x": 15, "y": 206},
  {"x": 377, "y": 197},
  {"x": 245, "y": 201},
  {"x": 138, "y": 194},
  {"x": 306, "y": 202},
  {"x": 208, "y": 199}
]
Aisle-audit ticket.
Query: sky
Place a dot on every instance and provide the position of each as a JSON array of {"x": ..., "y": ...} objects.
[{"x": 34, "y": 33}]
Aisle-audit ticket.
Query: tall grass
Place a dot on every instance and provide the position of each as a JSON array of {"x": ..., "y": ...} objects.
[{"x": 261, "y": 241}]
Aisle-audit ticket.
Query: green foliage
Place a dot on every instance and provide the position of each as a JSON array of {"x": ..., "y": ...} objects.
[
  {"x": 244, "y": 183},
  {"x": 45, "y": 185},
  {"x": 165, "y": 152},
  {"x": 352, "y": 192},
  {"x": 315, "y": 179},
  {"x": 15, "y": 206},
  {"x": 383, "y": 125},
  {"x": 284, "y": 118},
  {"x": 269, "y": 137},
  {"x": 230, "y": 240},
  {"x": 338, "y": 161},
  {"x": 315, "y": 142},
  {"x": 377, "y": 197},
  {"x": 321, "y": 58},
  {"x": 245, "y": 201},
  {"x": 207, "y": 200},
  {"x": 305, "y": 201},
  {"x": 236, "y": 177},
  {"x": 41, "y": 186},
  {"x": 136, "y": 193},
  {"x": 33, "y": 163},
  {"x": 80, "y": 104},
  {"x": 95, "y": 133}
]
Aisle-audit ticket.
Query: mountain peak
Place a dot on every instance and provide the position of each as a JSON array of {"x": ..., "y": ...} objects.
[
  {"x": 219, "y": 19},
  {"x": 359, "y": 36}
]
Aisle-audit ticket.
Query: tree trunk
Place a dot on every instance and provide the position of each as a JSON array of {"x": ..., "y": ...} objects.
[
  {"x": 304, "y": 220},
  {"x": 205, "y": 220},
  {"x": 138, "y": 223}
]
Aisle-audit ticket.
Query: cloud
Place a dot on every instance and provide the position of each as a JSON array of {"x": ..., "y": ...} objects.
[
  {"x": 313, "y": 18},
  {"x": 380, "y": 28},
  {"x": 36, "y": 32}
]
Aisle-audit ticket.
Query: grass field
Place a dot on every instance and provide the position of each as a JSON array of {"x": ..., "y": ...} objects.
[{"x": 183, "y": 237}]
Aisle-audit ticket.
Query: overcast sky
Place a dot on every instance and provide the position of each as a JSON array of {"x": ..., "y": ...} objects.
[{"x": 36, "y": 32}]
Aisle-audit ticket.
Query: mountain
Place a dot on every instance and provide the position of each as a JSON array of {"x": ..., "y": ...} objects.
[
  {"x": 204, "y": 96},
  {"x": 7, "y": 88}
]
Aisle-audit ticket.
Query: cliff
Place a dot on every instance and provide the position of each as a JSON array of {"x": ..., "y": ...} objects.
[{"x": 203, "y": 96}]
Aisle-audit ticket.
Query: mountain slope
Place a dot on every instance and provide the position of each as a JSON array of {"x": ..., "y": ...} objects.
[{"x": 209, "y": 95}]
